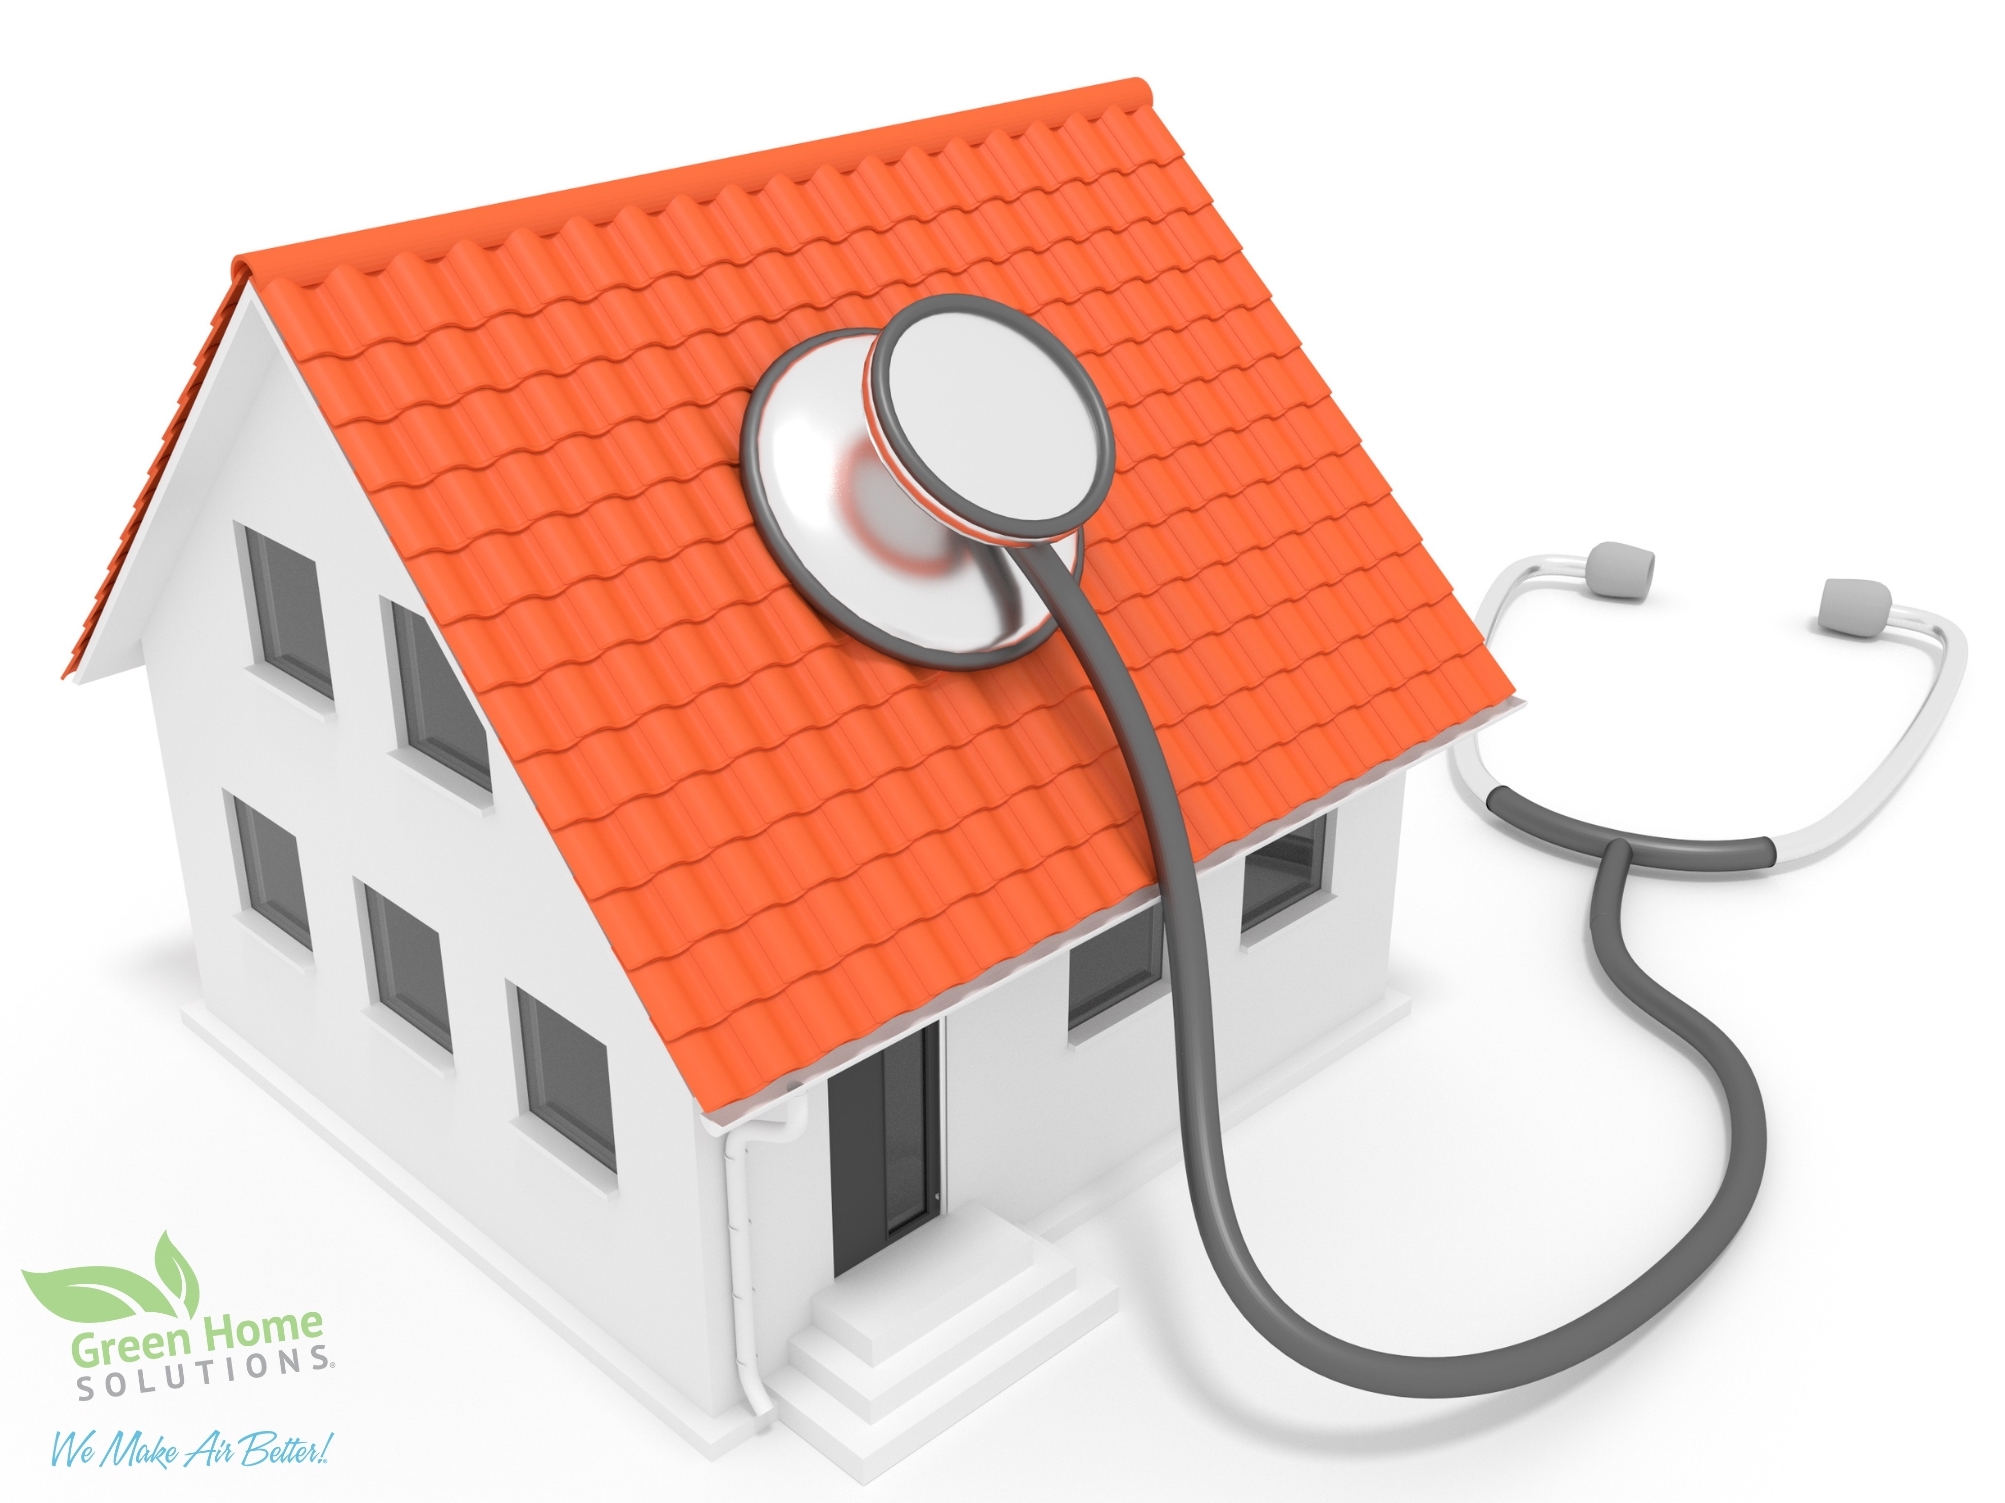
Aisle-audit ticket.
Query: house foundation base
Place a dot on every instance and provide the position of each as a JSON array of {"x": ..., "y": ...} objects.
[{"x": 711, "y": 1434}]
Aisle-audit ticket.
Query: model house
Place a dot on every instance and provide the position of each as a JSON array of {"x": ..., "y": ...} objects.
[{"x": 546, "y": 850}]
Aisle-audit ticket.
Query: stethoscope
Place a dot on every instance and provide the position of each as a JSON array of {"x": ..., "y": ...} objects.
[{"x": 924, "y": 486}]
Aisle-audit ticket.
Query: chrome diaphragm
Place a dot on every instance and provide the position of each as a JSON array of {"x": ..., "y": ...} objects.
[{"x": 890, "y": 471}]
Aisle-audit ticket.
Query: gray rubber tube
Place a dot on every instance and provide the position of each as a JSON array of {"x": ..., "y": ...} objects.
[
  {"x": 1563, "y": 830},
  {"x": 1197, "y": 1080}
]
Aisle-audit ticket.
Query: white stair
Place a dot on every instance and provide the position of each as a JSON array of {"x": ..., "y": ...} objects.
[{"x": 926, "y": 1332}]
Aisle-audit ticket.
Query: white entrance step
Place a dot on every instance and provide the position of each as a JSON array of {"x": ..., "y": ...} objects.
[
  {"x": 926, "y": 1332},
  {"x": 888, "y": 1301}
]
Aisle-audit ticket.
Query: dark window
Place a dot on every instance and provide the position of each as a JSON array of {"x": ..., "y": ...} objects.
[
  {"x": 1283, "y": 872},
  {"x": 410, "y": 976},
  {"x": 884, "y": 1146},
  {"x": 1115, "y": 964},
  {"x": 439, "y": 719},
  {"x": 568, "y": 1084},
  {"x": 290, "y": 630},
  {"x": 271, "y": 872}
]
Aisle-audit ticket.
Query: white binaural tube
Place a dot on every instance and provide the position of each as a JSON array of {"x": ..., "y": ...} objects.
[
  {"x": 1835, "y": 828},
  {"x": 1813, "y": 840},
  {"x": 1465, "y": 757}
]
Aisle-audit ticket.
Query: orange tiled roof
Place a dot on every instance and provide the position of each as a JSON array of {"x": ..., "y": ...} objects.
[{"x": 788, "y": 838}]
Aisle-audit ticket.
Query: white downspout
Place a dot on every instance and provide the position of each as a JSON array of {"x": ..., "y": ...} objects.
[{"x": 738, "y": 1217}]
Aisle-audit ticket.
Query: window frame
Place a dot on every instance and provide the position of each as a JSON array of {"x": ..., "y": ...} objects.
[
  {"x": 262, "y": 601},
  {"x": 1080, "y": 1013},
  {"x": 1294, "y": 898},
  {"x": 527, "y": 1008},
  {"x": 251, "y": 874},
  {"x": 382, "y": 976},
  {"x": 404, "y": 624}
]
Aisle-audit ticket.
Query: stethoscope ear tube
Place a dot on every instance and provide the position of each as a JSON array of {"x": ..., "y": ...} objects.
[
  {"x": 1850, "y": 607},
  {"x": 1197, "y": 1078},
  {"x": 1660, "y": 851}
]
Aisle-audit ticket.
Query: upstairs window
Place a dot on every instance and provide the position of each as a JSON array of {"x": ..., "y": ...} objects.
[
  {"x": 565, "y": 1071},
  {"x": 410, "y": 975},
  {"x": 1115, "y": 964},
  {"x": 272, "y": 877},
  {"x": 439, "y": 720},
  {"x": 291, "y": 634},
  {"x": 1284, "y": 872}
]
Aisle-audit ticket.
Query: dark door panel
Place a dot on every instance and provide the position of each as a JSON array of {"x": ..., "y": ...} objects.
[{"x": 884, "y": 1146}]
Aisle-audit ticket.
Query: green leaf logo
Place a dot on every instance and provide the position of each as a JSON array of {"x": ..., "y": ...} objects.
[
  {"x": 95, "y": 1294},
  {"x": 176, "y": 1274}
]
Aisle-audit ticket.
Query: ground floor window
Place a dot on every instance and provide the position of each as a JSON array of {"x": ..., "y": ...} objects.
[
  {"x": 1115, "y": 964},
  {"x": 1283, "y": 872},
  {"x": 410, "y": 973},
  {"x": 568, "y": 1084},
  {"x": 273, "y": 883}
]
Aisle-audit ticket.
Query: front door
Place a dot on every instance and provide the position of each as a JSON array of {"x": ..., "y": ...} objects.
[{"x": 884, "y": 1146}]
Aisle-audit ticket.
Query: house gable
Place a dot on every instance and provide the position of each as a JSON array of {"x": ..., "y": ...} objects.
[
  {"x": 788, "y": 839},
  {"x": 151, "y": 542},
  {"x": 631, "y": 1252}
]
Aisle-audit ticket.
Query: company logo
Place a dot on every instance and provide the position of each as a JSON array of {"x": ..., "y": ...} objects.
[
  {"x": 100, "y": 1293},
  {"x": 151, "y": 1356}
]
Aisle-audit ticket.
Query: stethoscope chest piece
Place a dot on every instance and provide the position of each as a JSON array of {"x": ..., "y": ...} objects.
[{"x": 889, "y": 469}]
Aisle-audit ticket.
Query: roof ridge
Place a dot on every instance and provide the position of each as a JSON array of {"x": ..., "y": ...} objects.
[{"x": 308, "y": 261}]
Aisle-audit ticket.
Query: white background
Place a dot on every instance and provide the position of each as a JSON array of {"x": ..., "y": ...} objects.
[{"x": 1724, "y": 282}]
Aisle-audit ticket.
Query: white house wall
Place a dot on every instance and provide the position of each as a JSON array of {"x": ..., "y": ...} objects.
[
  {"x": 1034, "y": 1117},
  {"x": 643, "y": 1256}
]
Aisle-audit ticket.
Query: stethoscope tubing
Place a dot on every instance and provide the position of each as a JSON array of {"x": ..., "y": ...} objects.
[{"x": 1201, "y": 1117}]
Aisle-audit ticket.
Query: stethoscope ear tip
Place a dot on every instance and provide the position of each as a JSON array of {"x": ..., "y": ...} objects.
[
  {"x": 1855, "y": 607},
  {"x": 1850, "y": 607},
  {"x": 1618, "y": 571}
]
